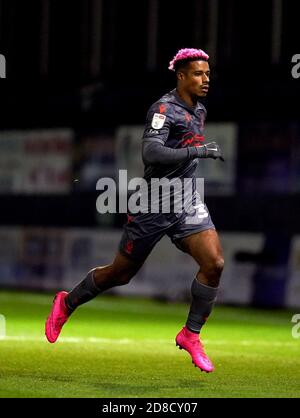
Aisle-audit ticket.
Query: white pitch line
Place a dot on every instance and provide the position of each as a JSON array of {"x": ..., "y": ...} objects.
[
  {"x": 124, "y": 341},
  {"x": 75, "y": 340}
]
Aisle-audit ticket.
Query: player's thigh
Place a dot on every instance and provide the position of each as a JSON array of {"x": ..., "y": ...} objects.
[{"x": 204, "y": 246}]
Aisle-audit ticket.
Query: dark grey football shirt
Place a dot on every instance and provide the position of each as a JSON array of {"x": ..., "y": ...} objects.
[
  {"x": 173, "y": 131},
  {"x": 174, "y": 124}
]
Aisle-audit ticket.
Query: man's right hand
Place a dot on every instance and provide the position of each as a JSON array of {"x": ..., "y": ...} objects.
[{"x": 210, "y": 150}]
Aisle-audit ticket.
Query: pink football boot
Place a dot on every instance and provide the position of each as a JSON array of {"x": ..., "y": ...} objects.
[
  {"x": 58, "y": 316},
  {"x": 191, "y": 342}
]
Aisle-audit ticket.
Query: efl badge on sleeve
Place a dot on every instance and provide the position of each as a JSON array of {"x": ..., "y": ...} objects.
[{"x": 158, "y": 121}]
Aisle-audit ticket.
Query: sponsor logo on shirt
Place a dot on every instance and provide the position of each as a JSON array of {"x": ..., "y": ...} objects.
[{"x": 192, "y": 139}]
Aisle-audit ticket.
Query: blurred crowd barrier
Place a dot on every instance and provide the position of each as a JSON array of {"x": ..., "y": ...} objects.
[
  {"x": 260, "y": 157},
  {"x": 62, "y": 161},
  {"x": 58, "y": 258},
  {"x": 37, "y": 161}
]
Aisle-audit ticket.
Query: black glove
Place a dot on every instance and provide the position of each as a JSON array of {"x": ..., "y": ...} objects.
[{"x": 210, "y": 150}]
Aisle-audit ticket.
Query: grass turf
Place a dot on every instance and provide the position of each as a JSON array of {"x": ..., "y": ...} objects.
[{"x": 116, "y": 347}]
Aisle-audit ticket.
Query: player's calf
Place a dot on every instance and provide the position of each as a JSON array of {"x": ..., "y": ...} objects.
[{"x": 97, "y": 281}]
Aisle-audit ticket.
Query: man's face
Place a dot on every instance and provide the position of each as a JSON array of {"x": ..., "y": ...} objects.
[{"x": 194, "y": 79}]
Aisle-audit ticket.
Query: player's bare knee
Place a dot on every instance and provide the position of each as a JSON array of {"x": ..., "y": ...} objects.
[
  {"x": 124, "y": 279},
  {"x": 214, "y": 267},
  {"x": 219, "y": 265},
  {"x": 122, "y": 275},
  {"x": 103, "y": 273}
]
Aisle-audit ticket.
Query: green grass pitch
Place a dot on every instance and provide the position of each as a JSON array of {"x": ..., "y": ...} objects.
[{"x": 118, "y": 347}]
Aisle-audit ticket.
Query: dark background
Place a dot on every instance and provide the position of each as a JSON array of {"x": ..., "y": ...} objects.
[{"x": 96, "y": 64}]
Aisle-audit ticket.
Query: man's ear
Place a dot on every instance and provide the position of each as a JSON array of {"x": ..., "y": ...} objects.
[{"x": 180, "y": 75}]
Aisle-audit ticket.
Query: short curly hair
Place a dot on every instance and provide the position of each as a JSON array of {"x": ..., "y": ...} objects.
[{"x": 186, "y": 55}]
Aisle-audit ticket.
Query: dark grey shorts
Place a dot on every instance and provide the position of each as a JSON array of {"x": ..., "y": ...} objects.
[{"x": 144, "y": 230}]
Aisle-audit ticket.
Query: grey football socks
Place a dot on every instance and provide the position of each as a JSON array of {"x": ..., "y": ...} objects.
[
  {"x": 83, "y": 292},
  {"x": 203, "y": 299}
]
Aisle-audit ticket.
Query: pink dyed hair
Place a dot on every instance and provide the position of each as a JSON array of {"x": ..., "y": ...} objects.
[{"x": 186, "y": 54}]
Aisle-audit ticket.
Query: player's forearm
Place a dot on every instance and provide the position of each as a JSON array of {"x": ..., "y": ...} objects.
[{"x": 156, "y": 153}]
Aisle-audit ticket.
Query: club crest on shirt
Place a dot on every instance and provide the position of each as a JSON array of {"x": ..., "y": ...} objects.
[{"x": 158, "y": 121}]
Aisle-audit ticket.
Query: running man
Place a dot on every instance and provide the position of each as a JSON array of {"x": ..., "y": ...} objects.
[{"x": 173, "y": 144}]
